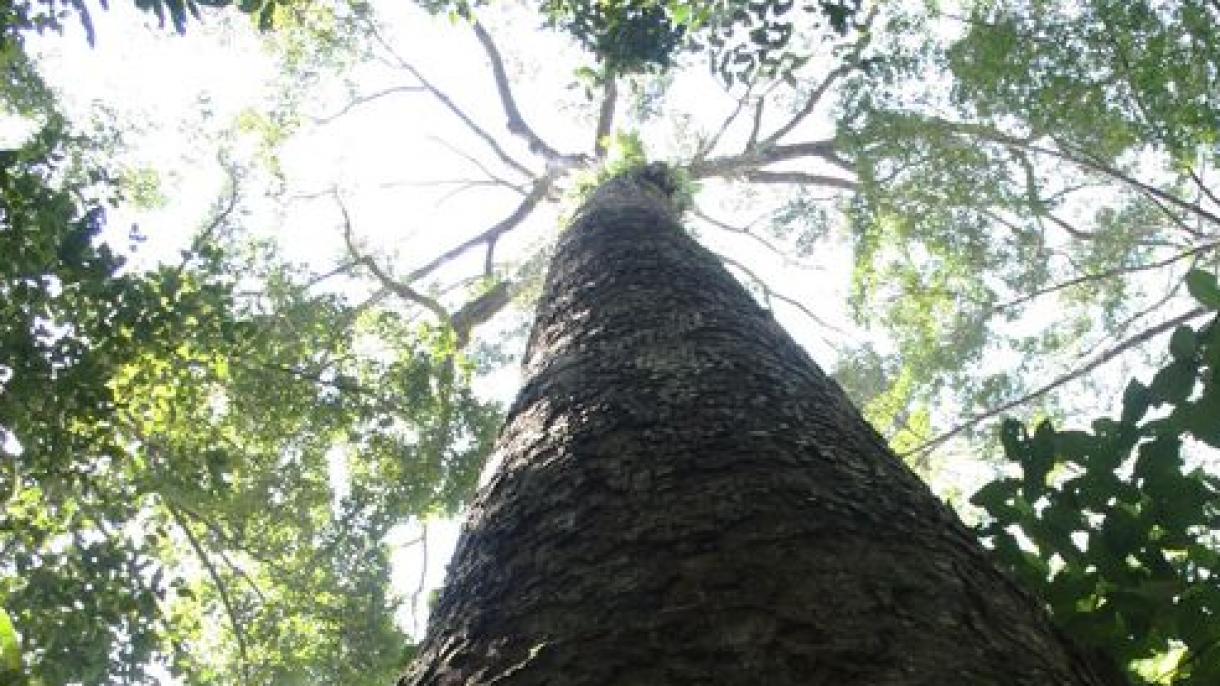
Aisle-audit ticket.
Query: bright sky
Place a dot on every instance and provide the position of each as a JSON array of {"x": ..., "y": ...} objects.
[{"x": 179, "y": 95}]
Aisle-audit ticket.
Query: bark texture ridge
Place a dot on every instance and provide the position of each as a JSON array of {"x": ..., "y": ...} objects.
[{"x": 686, "y": 498}]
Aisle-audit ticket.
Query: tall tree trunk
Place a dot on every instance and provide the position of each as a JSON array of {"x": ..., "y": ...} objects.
[{"x": 686, "y": 498}]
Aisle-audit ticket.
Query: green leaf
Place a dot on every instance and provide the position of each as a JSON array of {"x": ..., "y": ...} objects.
[
  {"x": 1175, "y": 382},
  {"x": 1204, "y": 288},
  {"x": 1136, "y": 400},
  {"x": 996, "y": 496},
  {"x": 1182, "y": 344},
  {"x": 10, "y": 646}
]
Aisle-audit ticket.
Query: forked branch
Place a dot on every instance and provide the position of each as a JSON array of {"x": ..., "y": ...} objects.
[{"x": 449, "y": 104}]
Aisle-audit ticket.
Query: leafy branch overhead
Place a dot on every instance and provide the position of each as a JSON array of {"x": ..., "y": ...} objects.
[{"x": 1114, "y": 527}]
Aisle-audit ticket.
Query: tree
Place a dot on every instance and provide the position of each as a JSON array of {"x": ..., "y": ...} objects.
[
  {"x": 685, "y": 497},
  {"x": 1032, "y": 162},
  {"x": 169, "y": 439},
  {"x": 226, "y": 459}
]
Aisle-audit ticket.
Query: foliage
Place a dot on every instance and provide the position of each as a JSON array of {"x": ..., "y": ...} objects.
[
  {"x": 743, "y": 39},
  {"x": 1115, "y": 527},
  {"x": 51, "y": 15},
  {"x": 1024, "y": 158},
  {"x": 201, "y": 461},
  {"x": 629, "y": 37}
]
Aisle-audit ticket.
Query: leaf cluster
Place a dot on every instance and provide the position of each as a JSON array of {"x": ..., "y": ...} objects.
[{"x": 1115, "y": 527}]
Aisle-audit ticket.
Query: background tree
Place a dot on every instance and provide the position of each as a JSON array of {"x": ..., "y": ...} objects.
[{"x": 171, "y": 439}]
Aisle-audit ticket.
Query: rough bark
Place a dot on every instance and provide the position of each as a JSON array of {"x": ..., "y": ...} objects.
[{"x": 686, "y": 498}]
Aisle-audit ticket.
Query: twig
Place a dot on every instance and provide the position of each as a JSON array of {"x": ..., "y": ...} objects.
[
  {"x": 451, "y": 106},
  {"x": 423, "y": 577},
  {"x": 769, "y": 293},
  {"x": 224, "y": 211},
  {"x": 1107, "y": 274},
  {"x": 478, "y": 164},
  {"x": 710, "y": 144},
  {"x": 1105, "y": 357},
  {"x": 833, "y": 75},
  {"x": 367, "y": 98},
  {"x": 1078, "y": 157},
  {"x": 745, "y": 231},
  {"x": 1126, "y": 323}
]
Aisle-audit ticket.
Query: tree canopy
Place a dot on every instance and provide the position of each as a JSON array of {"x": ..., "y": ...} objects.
[{"x": 203, "y": 458}]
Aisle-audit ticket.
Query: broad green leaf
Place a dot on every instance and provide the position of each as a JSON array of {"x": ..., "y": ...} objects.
[
  {"x": 10, "y": 646},
  {"x": 1204, "y": 288}
]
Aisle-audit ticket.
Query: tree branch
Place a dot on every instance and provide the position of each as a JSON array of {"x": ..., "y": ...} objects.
[
  {"x": 451, "y": 106},
  {"x": 753, "y": 159},
  {"x": 745, "y": 231},
  {"x": 1203, "y": 186},
  {"x": 833, "y": 75},
  {"x": 541, "y": 187},
  {"x": 365, "y": 99},
  {"x": 710, "y": 144},
  {"x": 516, "y": 123},
  {"x": 605, "y": 117},
  {"x": 399, "y": 288},
  {"x": 1105, "y": 357},
  {"x": 423, "y": 575},
  {"x": 781, "y": 297},
  {"x": 799, "y": 178},
  {"x": 1076, "y": 157},
  {"x": 477, "y": 164},
  {"x": 238, "y": 632},
  {"x": 1107, "y": 274}
]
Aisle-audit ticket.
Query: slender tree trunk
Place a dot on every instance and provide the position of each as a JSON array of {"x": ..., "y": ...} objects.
[{"x": 685, "y": 498}]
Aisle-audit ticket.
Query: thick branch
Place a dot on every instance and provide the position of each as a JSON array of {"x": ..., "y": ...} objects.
[
  {"x": 480, "y": 310},
  {"x": 399, "y": 288},
  {"x": 605, "y": 117},
  {"x": 754, "y": 159},
  {"x": 1063, "y": 379},
  {"x": 799, "y": 178},
  {"x": 516, "y": 123},
  {"x": 536, "y": 195}
]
